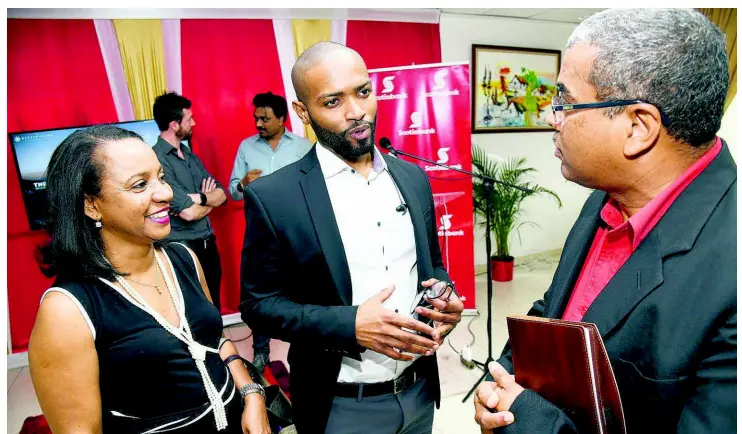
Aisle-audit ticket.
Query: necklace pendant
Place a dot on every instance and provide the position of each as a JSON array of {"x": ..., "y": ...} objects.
[{"x": 159, "y": 291}]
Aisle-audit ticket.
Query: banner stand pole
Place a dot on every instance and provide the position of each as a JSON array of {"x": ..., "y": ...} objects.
[{"x": 489, "y": 185}]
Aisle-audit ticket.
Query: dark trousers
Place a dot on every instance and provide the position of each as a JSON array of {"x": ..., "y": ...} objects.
[
  {"x": 260, "y": 344},
  {"x": 208, "y": 256},
  {"x": 410, "y": 412}
]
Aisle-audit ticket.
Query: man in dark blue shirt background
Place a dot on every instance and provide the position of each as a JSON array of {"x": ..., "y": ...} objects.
[{"x": 195, "y": 191}]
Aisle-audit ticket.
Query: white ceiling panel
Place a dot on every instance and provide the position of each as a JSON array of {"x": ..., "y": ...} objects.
[
  {"x": 469, "y": 11},
  {"x": 517, "y": 13},
  {"x": 565, "y": 15}
]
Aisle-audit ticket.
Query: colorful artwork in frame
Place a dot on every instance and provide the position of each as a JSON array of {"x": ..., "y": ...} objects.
[{"x": 512, "y": 88}]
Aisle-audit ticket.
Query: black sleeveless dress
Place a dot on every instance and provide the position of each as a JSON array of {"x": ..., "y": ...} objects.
[{"x": 149, "y": 383}]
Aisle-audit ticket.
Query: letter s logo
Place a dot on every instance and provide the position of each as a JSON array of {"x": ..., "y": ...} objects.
[
  {"x": 388, "y": 83},
  {"x": 445, "y": 222},
  {"x": 417, "y": 120},
  {"x": 438, "y": 79},
  {"x": 443, "y": 155}
]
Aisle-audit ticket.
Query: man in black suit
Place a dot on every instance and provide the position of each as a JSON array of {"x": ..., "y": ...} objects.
[
  {"x": 340, "y": 244},
  {"x": 652, "y": 257}
]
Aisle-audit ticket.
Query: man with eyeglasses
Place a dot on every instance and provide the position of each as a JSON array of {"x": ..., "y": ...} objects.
[{"x": 652, "y": 257}]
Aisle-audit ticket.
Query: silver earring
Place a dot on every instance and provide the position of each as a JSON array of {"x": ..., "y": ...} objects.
[{"x": 98, "y": 224}]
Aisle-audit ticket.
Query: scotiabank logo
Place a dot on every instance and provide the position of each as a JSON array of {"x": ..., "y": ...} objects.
[
  {"x": 443, "y": 155},
  {"x": 387, "y": 92},
  {"x": 388, "y": 83},
  {"x": 445, "y": 227},
  {"x": 442, "y": 159},
  {"x": 445, "y": 222},
  {"x": 415, "y": 128},
  {"x": 417, "y": 120},
  {"x": 439, "y": 89},
  {"x": 438, "y": 78}
]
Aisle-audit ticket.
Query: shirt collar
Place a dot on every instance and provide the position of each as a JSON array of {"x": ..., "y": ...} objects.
[
  {"x": 284, "y": 137},
  {"x": 332, "y": 165},
  {"x": 167, "y": 147},
  {"x": 641, "y": 223}
]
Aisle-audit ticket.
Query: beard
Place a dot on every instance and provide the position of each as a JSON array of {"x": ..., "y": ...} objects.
[
  {"x": 267, "y": 135},
  {"x": 181, "y": 134},
  {"x": 339, "y": 143}
]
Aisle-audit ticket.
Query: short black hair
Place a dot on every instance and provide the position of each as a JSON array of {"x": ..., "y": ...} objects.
[
  {"x": 169, "y": 107},
  {"x": 75, "y": 250},
  {"x": 276, "y": 102}
]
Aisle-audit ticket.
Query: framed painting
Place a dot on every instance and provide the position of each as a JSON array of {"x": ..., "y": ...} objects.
[{"x": 512, "y": 88}]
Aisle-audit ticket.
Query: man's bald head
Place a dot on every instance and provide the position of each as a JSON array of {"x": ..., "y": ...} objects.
[
  {"x": 336, "y": 98},
  {"x": 313, "y": 56}
]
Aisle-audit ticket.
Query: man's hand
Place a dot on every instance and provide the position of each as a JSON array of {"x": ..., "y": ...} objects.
[
  {"x": 382, "y": 330},
  {"x": 447, "y": 313},
  {"x": 498, "y": 395},
  {"x": 251, "y": 176},
  {"x": 208, "y": 185}
]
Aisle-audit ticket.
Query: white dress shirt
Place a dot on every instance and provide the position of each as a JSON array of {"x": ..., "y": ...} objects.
[{"x": 379, "y": 244}]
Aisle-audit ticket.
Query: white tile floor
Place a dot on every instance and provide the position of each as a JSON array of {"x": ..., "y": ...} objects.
[{"x": 532, "y": 278}]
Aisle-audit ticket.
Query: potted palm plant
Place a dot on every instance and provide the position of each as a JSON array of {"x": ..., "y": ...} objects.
[{"x": 505, "y": 217}]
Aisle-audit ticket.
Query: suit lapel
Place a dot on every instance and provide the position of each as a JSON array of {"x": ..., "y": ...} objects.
[
  {"x": 676, "y": 232},
  {"x": 405, "y": 185},
  {"x": 639, "y": 276},
  {"x": 572, "y": 259},
  {"x": 320, "y": 209}
]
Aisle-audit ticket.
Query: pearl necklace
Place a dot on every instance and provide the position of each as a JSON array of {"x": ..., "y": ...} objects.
[{"x": 198, "y": 351}]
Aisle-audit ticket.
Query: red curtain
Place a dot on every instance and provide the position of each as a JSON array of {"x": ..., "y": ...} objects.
[
  {"x": 225, "y": 64},
  {"x": 56, "y": 79},
  {"x": 384, "y": 44}
]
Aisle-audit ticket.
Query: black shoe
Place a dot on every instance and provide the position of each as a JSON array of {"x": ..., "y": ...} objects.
[{"x": 260, "y": 361}]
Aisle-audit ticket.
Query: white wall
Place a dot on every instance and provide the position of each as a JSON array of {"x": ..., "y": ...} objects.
[
  {"x": 458, "y": 33},
  {"x": 728, "y": 130}
]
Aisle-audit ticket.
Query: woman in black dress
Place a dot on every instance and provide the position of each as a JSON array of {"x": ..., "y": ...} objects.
[{"x": 127, "y": 339}]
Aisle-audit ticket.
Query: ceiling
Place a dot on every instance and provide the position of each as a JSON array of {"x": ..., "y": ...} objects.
[
  {"x": 428, "y": 15},
  {"x": 563, "y": 15}
]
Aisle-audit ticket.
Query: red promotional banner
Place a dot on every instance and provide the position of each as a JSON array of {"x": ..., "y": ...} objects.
[{"x": 424, "y": 110}]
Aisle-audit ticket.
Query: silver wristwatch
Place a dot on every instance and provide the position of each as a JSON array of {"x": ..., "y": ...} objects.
[{"x": 252, "y": 388}]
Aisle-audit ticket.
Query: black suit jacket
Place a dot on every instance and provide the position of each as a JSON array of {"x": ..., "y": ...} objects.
[
  {"x": 295, "y": 279},
  {"x": 668, "y": 318}
]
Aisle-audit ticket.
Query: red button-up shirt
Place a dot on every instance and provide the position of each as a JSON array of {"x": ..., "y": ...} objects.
[{"x": 614, "y": 244}]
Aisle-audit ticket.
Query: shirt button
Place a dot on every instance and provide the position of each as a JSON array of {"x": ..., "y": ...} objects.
[
  {"x": 386, "y": 268},
  {"x": 378, "y": 224},
  {"x": 352, "y": 171},
  {"x": 583, "y": 310},
  {"x": 369, "y": 182}
]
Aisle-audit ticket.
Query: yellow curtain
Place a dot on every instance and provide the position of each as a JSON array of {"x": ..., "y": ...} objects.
[
  {"x": 306, "y": 34},
  {"x": 726, "y": 20},
  {"x": 143, "y": 56}
]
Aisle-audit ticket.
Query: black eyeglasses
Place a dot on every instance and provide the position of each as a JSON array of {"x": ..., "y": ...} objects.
[
  {"x": 440, "y": 290},
  {"x": 558, "y": 108}
]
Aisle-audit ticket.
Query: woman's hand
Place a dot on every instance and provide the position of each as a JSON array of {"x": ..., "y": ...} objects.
[{"x": 255, "y": 416}]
